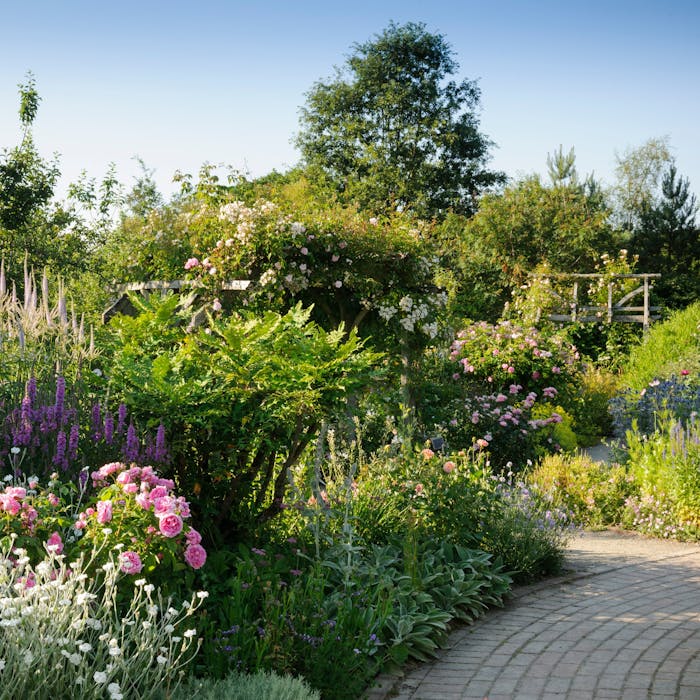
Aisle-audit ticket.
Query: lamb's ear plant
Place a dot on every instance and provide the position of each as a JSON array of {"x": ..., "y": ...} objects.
[{"x": 63, "y": 635}]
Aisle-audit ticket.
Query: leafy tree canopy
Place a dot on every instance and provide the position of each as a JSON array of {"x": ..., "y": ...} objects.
[{"x": 393, "y": 131}]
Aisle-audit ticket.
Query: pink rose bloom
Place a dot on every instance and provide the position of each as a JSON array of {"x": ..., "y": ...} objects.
[
  {"x": 130, "y": 488},
  {"x": 158, "y": 492},
  {"x": 143, "y": 500},
  {"x": 53, "y": 499},
  {"x": 163, "y": 505},
  {"x": 183, "y": 507},
  {"x": 170, "y": 525},
  {"x": 191, "y": 262},
  {"x": 130, "y": 562},
  {"x": 124, "y": 478},
  {"x": 8, "y": 504},
  {"x": 556, "y": 370},
  {"x": 169, "y": 484},
  {"x": 481, "y": 443},
  {"x": 150, "y": 530},
  {"x": 80, "y": 525},
  {"x": 193, "y": 537},
  {"x": 195, "y": 556},
  {"x": 419, "y": 489},
  {"x": 685, "y": 372},
  {"x": 16, "y": 492},
  {"x": 33, "y": 484},
  {"x": 448, "y": 467},
  {"x": 501, "y": 398},
  {"x": 104, "y": 511},
  {"x": 427, "y": 453},
  {"x": 55, "y": 541}
]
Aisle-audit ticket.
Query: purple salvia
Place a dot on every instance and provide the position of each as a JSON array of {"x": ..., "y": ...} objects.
[
  {"x": 161, "y": 454},
  {"x": 73, "y": 441},
  {"x": 82, "y": 478},
  {"x": 60, "y": 457},
  {"x": 121, "y": 418},
  {"x": 60, "y": 399},
  {"x": 109, "y": 428},
  {"x": 24, "y": 435},
  {"x": 96, "y": 422},
  {"x": 131, "y": 448},
  {"x": 31, "y": 391}
]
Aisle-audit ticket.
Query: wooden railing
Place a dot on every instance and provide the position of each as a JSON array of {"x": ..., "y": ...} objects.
[
  {"x": 620, "y": 311},
  {"x": 123, "y": 305}
]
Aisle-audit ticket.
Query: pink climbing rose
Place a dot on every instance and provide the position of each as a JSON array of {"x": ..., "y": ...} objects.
[
  {"x": 170, "y": 525},
  {"x": 195, "y": 556},
  {"x": 130, "y": 562}
]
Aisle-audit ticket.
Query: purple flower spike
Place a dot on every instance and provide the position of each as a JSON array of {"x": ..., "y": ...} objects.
[
  {"x": 96, "y": 422},
  {"x": 73, "y": 441},
  {"x": 131, "y": 449},
  {"x": 60, "y": 457},
  {"x": 121, "y": 418},
  {"x": 60, "y": 399},
  {"x": 161, "y": 454},
  {"x": 109, "y": 428}
]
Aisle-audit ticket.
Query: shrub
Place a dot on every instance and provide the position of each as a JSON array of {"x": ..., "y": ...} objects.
[
  {"x": 593, "y": 492},
  {"x": 670, "y": 348},
  {"x": 456, "y": 498},
  {"x": 253, "y": 686},
  {"x": 592, "y": 417},
  {"x": 241, "y": 399},
  {"x": 676, "y": 397}
]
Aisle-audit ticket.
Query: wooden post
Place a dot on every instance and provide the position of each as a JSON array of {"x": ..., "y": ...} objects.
[
  {"x": 610, "y": 307},
  {"x": 574, "y": 310},
  {"x": 646, "y": 303}
]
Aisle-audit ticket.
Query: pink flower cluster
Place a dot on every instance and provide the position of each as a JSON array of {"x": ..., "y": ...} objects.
[
  {"x": 12, "y": 501},
  {"x": 151, "y": 493}
]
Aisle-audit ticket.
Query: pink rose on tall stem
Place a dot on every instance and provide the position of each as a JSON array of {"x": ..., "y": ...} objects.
[
  {"x": 55, "y": 542},
  {"x": 170, "y": 525}
]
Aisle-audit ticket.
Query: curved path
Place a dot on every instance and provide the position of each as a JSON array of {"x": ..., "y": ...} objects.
[{"x": 624, "y": 622}]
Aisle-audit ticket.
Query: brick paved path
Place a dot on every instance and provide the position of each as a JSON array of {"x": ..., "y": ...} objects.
[{"x": 623, "y": 623}]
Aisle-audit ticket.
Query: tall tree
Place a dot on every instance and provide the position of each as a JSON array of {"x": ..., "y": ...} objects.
[
  {"x": 30, "y": 222},
  {"x": 393, "y": 131},
  {"x": 638, "y": 174},
  {"x": 667, "y": 240}
]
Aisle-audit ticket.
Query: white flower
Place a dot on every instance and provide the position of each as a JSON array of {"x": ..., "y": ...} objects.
[
  {"x": 99, "y": 677},
  {"x": 85, "y": 647},
  {"x": 202, "y": 594},
  {"x": 169, "y": 629},
  {"x": 107, "y": 531},
  {"x": 28, "y": 658},
  {"x": 114, "y": 691},
  {"x": 14, "y": 451},
  {"x": 140, "y": 582},
  {"x": 146, "y": 625},
  {"x": 189, "y": 633},
  {"x": 161, "y": 659},
  {"x": 2, "y": 664},
  {"x": 149, "y": 588}
]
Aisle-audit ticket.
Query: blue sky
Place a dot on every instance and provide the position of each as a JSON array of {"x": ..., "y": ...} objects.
[{"x": 178, "y": 83}]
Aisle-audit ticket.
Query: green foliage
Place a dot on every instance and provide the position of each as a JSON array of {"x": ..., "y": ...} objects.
[
  {"x": 455, "y": 498},
  {"x": 241, "y": 398},
  {"x": 668, "y": 241},
  {"x": 592, "y": 419},
  {"x": 593, "y": 492},
  {"x": 669, "y": 348},
  {"x": 29, "y": 222},
  {"x": 638, "y": 172},
  {"x": 394, "y": 132},
  {"x": 666, "y": 465},
  {"x": 243, "y": 686},
  {"x": 563, "y": 225}
]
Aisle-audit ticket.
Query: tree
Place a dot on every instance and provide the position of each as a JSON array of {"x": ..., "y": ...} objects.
[
  {"x": 667, "y": 240},
  {"x": 564, "y": 226},
  {"x": 639, "y": 173},
  {"x": 29, "y": 220},
  {"x": 394, "y": 132}
]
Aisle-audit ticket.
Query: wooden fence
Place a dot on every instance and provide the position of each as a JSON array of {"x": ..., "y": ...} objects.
[{"x": 614, "y": 311}]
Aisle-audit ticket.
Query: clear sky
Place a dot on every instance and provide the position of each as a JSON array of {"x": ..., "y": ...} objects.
[{"x": 180, "y": 83}]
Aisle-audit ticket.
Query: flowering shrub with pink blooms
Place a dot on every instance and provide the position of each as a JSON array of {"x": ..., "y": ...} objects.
[
  {"x": 139, "y": 511},
  {"x": 130, "y": 509},
  {"x": 500, "y": 389}
]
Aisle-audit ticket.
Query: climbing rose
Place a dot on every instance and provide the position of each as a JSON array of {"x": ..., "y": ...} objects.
[{"x": 104, "y": 511}]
